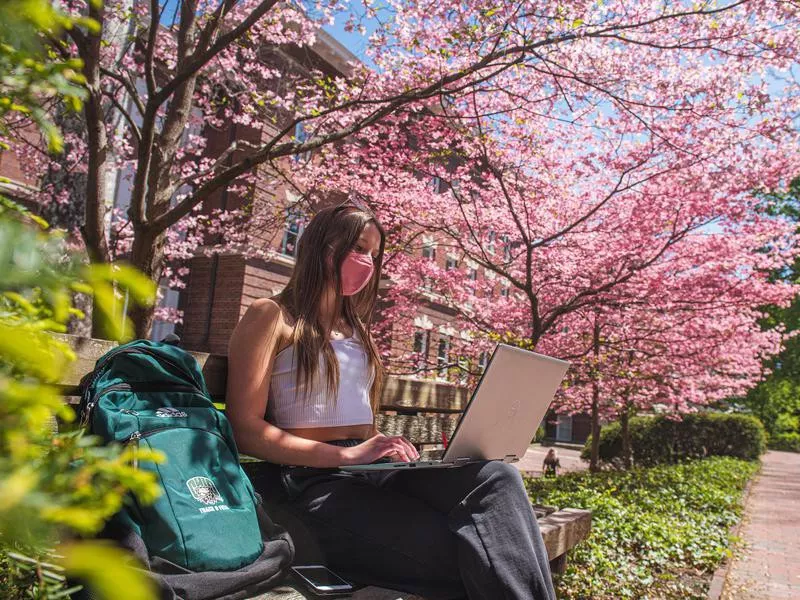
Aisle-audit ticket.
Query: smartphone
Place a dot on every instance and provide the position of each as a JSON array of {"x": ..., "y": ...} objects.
[{"x": 321, "y": 580}]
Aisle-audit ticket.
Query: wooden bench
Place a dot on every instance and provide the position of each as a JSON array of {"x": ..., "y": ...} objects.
[{"x": 419, "y": 410}]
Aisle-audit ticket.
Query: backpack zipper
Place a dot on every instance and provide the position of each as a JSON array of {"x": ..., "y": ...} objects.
[
  {"x": 90, "y": 404},
  {"x": 139, "y": 387},
  {"x": 136, "y": 436}
]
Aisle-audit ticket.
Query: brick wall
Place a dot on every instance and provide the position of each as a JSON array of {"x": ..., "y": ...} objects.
[
  {"x": 212, "y": 302},
  {"x": 218, "y": 293}
]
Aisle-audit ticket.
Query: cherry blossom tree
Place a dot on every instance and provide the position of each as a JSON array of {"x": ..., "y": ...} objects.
[
  {"x": 632, "y": 266},
  {"x": 157, "y": 81},
  {"x": 610, "y": 204}
]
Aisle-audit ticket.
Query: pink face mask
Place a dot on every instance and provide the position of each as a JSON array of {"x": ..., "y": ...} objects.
[{"x": 356, "y": 272}]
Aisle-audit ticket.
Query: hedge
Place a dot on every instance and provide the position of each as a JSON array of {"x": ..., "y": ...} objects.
[
  {"x": 664, "y": 440},
  {"x": 785, "y": 441}
]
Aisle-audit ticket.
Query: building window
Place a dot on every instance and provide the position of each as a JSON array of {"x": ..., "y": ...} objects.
[
  {"x": 463, "y": 370},
  {"x": 421, "y": 340},
  {"x": 293, "y": 229},
  {"x": 564, "y": 428},
  {"x": 504, "y": 290},
  {"x": 472, "y": 279},
  {"x": 438, "y": 185},
  {"x": 451, "y": 263},
  {"x": 429, "y": 251},
  {"x": 483, "y": 360},
  {"x": 301, "y": 135},
  {"x": 490, "y": 241},
  {"x": 506, "y": 249},
  {"x": 443, "y": 356}
]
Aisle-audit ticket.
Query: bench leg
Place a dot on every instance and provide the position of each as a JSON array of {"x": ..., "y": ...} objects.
[{"x": 559, "y": 564}]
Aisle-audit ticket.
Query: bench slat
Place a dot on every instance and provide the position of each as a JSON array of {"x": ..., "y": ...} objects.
[
  {"x": 424, "y": 396},
  {"x": 399, "y": 393},
  {"x": 563, "y": 529},
  {"x": 417, "y": 429},
  {"x": 296, "y": 592}
]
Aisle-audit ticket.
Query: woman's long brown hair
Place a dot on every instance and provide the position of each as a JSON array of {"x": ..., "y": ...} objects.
[{"x": 332, "y": 232}]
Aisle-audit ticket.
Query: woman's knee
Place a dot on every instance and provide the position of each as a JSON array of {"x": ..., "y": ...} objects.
[{"x": 500, "y": 473}]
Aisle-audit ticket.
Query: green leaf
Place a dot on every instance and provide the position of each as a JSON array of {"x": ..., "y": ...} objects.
[
  {"x": 34, "y": 351},
  {"x": 140, "y": 287},
  {"x": 107, "y": 570}
]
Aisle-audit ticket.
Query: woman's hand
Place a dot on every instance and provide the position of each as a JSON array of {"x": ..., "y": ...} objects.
[{"x": 380, "y": 446}]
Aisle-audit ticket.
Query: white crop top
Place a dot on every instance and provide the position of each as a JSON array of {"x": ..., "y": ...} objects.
[{"x": 317, "y": 409}]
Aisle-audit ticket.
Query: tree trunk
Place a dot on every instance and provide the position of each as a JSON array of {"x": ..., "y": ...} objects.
[
  {"x": 147, "y": 255},
  {"x": 624, "y": 420},
  {"x": 93, "y": 227},
  {"x": 594, "y": 463}
]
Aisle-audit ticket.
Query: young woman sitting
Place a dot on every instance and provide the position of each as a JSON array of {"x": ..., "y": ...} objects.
[{"x": 304, "y": 383}]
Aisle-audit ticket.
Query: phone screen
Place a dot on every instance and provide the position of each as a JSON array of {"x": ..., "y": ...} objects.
[{"x": 321, "y": 577}]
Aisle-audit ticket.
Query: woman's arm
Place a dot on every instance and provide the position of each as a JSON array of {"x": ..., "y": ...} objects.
[{"x": 251, "y": 354}]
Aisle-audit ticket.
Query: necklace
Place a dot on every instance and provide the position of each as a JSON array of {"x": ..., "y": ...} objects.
[{"x": 338, "y": 331}]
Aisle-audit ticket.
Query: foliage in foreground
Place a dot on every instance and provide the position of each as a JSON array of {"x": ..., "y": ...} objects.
[
  {"x": 664, "y": 440},
  {"x": 655, "y": 531},
  {"x": 54, "y": 485},
  {"x": 31, "y": 76}
]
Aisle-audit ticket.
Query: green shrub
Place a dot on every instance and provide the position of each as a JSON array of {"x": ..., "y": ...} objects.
[
  {"x": 787, "y": 423},
  {"x": 663, "y": 440},
  {"x": 54, "y": 487},
  {"x": 657, "y": 532},
  {"x": 785, "y": 441}
]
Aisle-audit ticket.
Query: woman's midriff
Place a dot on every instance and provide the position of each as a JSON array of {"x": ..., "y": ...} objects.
[{"x": 328, "y": 434}]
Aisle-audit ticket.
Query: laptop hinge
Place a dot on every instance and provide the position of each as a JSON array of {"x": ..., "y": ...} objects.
[
  {"x": 462, "y": 460},
  {"x": 510, "y": 458}
]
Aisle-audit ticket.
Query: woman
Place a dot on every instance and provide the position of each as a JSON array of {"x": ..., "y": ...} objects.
[{"x": 304, "y": 382}]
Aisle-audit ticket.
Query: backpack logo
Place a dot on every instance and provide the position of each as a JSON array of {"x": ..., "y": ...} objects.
[
  {"x": 204, "y": 490},
  {"x": 170, "y": 413}
]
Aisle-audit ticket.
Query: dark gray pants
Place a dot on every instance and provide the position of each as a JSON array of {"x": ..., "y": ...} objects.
[{"x": 440, "y": 533}]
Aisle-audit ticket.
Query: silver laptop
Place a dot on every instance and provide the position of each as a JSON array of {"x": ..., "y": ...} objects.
[{"x": 503, "y": 414}]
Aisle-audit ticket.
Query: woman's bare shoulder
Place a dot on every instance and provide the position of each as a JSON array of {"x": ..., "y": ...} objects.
[
  {"x": 266, "y": 307},
  {"x": 266, "y": 316}
]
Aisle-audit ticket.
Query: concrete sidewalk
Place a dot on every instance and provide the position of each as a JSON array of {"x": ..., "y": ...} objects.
[{"x": 769, "y": 566}]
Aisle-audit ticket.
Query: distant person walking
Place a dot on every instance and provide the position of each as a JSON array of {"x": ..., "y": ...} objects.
[{"x": 551, "y": 464}]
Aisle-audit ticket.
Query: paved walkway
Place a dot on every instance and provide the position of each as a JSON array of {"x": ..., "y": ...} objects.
[
  {"x": 769, "y": 566},
  {"x": 531, "y": 463}
]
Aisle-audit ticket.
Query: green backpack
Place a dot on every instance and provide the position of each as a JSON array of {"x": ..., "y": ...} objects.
[{"x": 152, "y": 395}]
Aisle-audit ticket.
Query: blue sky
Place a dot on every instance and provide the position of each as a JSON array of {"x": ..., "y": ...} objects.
[{"x": 353, "y": 41}]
